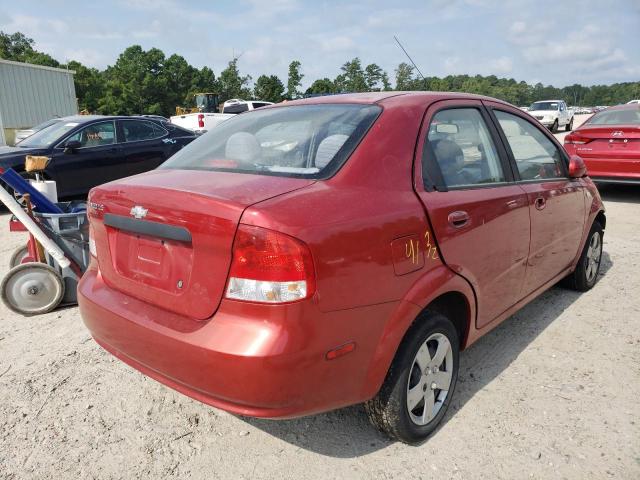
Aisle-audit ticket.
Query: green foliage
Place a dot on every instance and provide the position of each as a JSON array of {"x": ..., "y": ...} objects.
[
  {"x": 147, "y": 82},
  {"x": 269, "y": 88},
  {"x": 294, "y": 80},
  {"x": 19, "y": 48},
  {"x": 231, "y": 84},
  {"x": 323, "y": 86}
]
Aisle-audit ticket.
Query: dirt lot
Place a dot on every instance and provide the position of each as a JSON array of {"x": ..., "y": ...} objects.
[{"x": 551, "y": 393}]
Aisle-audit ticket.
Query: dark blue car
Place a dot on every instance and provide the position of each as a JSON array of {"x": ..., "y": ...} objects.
[{"x": 86, "y": 151}]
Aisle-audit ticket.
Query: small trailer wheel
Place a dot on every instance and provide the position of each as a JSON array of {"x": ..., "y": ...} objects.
[
  {"x": 18, "y": 256},
  {"x": 32, "y": 288}
]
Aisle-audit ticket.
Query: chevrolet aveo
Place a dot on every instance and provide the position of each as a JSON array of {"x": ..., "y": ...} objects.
[{"x": 331, "y": 251}]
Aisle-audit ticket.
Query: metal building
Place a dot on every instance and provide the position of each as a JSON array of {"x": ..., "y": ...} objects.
[{"x": 32, "y": 94}]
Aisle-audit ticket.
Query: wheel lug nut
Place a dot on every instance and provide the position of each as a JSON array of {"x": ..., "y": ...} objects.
[{"x": 433, "y": 386}]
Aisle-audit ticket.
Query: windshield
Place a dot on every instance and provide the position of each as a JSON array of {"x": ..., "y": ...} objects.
[
  {"x": 49, "y": 135},
  {"x": 543, "y": 106},
  {"x": 616, "y": 117},
  {"x": 304, "y": 140}
]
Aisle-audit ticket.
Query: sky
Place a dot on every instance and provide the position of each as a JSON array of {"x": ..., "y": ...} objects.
[{"x": 558, "y": 42}]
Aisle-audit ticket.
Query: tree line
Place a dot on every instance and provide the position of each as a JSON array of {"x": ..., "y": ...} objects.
[{"x": 148, "y": 82}]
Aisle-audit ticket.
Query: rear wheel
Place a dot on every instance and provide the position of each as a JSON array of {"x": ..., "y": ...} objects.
[
  {"x": 585, "y": 275},
  {"x": 32, "y": 288},
  {"x": 418, "y": 388},
  {"x": 554, "y": 127},
  {"x": 569, "y": 126}
]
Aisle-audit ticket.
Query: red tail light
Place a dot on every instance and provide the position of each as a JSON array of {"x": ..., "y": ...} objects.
[
  {"x": 575, "y": 138},
  {"x": 270, "y": 267},
  {"x": 201, "y": 120}
]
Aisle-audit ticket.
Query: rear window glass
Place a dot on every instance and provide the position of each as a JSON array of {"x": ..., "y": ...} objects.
[
  {"x": 304, "y": 140},
  {"x": 242, "y": 107},
  {"x": 616, "y": 117}
]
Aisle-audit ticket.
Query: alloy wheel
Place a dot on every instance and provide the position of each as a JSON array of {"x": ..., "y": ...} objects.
[{"x": 429, "y": 379}]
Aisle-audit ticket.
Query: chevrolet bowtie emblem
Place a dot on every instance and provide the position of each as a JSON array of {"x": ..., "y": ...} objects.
[{"x": 138, "y": 212}]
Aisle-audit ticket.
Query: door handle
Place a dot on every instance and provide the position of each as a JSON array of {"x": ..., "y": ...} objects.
[
  {"x": 540, "y": 203},
  {"x": 458, "y": 219}
]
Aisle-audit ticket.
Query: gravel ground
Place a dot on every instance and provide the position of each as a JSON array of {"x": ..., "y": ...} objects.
[{"x": 551, "y": 393}]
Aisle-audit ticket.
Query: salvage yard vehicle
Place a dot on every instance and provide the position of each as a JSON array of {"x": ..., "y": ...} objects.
[
  {"x": 609, "y": 143},
  {"x": 336, "y": 250},
  {"x": 87, "y": 150},
  {"x": 552, "y": 114},
  {"x": 202, "y": 122}
]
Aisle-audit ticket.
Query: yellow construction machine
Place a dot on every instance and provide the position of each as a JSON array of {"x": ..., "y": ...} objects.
[{"x": 204, "y": 103}]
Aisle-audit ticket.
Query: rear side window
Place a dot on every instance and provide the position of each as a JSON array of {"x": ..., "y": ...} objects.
[
  {"x": 616, "y": 117},
  {"x": 136, "y": 131},
  {"x": 305, "y": 140},
  {"x": 239, "y": 108},
  {"x": 460, "y": 143},
  {"x": 537, "y": 158}
]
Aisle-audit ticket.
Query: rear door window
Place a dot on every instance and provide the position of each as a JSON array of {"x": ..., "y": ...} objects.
[
  {"x": 460, "y": 144},
  {"x": 536, "y": 157},
  {"x": 136, "y": 130}
]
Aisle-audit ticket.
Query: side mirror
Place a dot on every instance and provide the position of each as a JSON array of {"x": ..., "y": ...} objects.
[
  {"x": 577, "y": 168},
  {"x": 71, "y": 146}
]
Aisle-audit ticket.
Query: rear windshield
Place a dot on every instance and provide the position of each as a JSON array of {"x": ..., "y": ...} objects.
[
  {"x": 543, "y": 106},
  {"x": 616, "y": 117},
  {"x": 304, "y": 140}
]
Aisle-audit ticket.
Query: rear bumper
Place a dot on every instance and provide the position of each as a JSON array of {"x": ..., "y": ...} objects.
[{"x": 255, "y": 360}]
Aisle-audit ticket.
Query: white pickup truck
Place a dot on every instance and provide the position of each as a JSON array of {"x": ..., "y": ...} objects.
[
  {"x": 203, "y": 122},
  {"x": 552, "y": 114}
]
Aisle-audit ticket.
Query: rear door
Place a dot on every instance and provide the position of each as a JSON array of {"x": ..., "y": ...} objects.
[
  {"x": 479, "y": 216},
  {"x": 145, "y": 146},
  {"x": 556, "y": 202}
]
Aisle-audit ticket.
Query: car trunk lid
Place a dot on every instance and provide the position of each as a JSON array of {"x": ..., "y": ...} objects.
[{"x": 165, "y": 237}]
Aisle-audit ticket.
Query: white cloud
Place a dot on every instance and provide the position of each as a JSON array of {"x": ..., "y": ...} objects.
[{"x": 502, "y": 65}]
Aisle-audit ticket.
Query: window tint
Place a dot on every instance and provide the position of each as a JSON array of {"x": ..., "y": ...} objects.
[
  {"x": 536, "y": 156},
  {"x": 136, "y": 131},
  {"x": 239, "y": 108},
  {"x": 95, "y": 135},
  {"x": 616, "y": 117},
  {"x": 460, "y": 143},
  {"x": 260, "y": 104},
  {"x": 298, "y": 140}
]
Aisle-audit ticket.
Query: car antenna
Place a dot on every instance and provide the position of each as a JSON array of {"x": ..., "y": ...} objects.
[{"x": 410, "y": 59}]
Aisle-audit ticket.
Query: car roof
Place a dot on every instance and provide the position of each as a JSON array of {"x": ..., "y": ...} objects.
[
  {"x": 626, "y": 106},
  {"x": 91, "y": 118},
  {"x": 418, "y": 97}
]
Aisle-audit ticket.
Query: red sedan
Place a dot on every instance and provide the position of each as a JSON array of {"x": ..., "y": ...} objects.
[
  {"x": 609, "y": 143},
  {"x": 336, "y": 250}
]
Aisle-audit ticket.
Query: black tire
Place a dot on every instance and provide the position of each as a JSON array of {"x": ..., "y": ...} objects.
[
  {"x": 388, "y": 410},
  {"x": 554, "y": 127},
  {"x": 32, "y": 289},
  {"x": 18, "y": 255},
  {"x": 569, "y": 126},
  {"x": 583, "y": 277}
]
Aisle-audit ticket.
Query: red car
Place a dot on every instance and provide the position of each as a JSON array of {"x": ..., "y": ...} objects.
[
  {"x": 336, "y": 250},
  {"x": 609, "y": 143}
]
